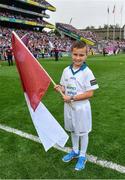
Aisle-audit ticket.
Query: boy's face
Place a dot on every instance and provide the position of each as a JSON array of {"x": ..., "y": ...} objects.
[{"x": 79, "y": 56}]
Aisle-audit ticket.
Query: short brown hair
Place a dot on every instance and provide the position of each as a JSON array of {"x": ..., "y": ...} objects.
[{"x": 78, "y": 44}]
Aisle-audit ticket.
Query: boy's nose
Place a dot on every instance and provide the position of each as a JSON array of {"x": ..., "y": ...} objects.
[{"x": 78, "y": 57}]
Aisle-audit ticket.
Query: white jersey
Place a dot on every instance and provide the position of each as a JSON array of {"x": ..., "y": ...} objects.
[{"x": 77, "y": 115}]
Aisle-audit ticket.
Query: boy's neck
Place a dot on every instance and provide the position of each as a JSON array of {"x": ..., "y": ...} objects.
[{"x": 76, "y": 67}]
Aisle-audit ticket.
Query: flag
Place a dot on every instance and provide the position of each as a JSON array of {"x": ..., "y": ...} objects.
[
  {"x": 113, "y": 9},
  {"x": 48, "y": 129},
  {"x": 108, "y": 10},
  {"x": 25, "y": 39},
  {"x": 51, "y": 45},
  {"x": 35, "y": 82},
  {"x": 34, "y": 79}
]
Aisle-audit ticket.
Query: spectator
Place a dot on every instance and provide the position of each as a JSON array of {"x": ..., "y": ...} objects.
[{"x": 9, "y": 55}]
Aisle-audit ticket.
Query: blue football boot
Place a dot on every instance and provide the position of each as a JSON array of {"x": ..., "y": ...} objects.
[{"x": 70, "y": 156}]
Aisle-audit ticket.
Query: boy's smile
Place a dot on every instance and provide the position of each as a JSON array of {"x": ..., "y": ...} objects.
[{"x": 79, "y": 56}]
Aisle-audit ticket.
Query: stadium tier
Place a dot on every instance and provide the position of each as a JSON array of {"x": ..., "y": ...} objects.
[
  {"x": 74, "y": 33},
  {"x": 38, "y": 4},
  {"x": 25, "y": 14}
]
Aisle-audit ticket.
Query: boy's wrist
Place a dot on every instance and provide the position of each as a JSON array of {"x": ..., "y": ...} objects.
[{"x": 72, "y": 98}]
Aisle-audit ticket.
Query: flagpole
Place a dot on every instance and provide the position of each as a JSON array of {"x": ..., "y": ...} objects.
[
  {"x": 108, "y": 23},
  {"x": 124, "y": 33},
  {"x": 70, "y": 21},
  {"x": 120, "y": 35},
  {"x": 114, "y": 24},
  {"x": 114, "y": 29}
]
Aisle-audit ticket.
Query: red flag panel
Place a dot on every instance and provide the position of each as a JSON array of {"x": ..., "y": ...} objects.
[{"x": 35, "y": 80}]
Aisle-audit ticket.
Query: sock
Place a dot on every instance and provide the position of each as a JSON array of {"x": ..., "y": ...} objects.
[
  {"x": 75, "y": 142},
  {"x": 84, "y": 144}
]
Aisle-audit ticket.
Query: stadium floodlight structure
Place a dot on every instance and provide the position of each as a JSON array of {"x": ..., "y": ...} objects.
[{"x": 25, "y": 14}]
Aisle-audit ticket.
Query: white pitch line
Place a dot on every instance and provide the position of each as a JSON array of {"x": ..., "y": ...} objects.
[{"x": 90, "y": 158}]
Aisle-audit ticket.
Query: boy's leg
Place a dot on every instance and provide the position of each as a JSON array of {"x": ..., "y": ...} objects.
[
  {"x": 75, "y": 152},
  {"x": 83, "y": 144},
  {"x": 82, "y": 157},
  {"x": 75, "y": 142}
]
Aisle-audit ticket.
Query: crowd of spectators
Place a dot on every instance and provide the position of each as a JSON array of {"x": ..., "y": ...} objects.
[
  {"x": 46, "y": 42},
  {"x": 111, "y": 47},
  {"x": 37, "y": 20},
  {"x": 86, "y": 34},
  {"x": 39, "y": 42},
  {"x": 42, "y": 2}
]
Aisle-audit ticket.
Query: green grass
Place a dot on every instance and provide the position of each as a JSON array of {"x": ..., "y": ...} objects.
[{"x": 23, "y": 159}]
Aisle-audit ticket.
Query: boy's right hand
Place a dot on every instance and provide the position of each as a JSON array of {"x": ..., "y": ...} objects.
[{"x": 58, "y": 88}]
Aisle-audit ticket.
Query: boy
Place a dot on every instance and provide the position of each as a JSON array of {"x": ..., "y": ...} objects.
[{"x": 78, "y": 84}]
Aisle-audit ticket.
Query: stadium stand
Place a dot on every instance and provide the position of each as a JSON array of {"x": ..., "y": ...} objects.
[
  {"x": 25, "y": 14},
  {"x": 37, "y": 41},
  {"x": 69, "y": 30}
]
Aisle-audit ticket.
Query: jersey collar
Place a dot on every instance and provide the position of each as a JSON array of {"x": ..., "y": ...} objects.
[{"x": 80, "y": 69}]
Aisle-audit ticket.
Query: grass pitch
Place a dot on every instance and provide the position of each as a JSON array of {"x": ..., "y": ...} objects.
[{"x": 23, "y": 159}]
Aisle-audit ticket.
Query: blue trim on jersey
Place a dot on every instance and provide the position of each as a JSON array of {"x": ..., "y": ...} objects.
[{"x": 80, "y": 69}]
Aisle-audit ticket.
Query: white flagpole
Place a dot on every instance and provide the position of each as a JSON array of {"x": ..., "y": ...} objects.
[
  {"x": 120, "y": 35},
  {"x": 114, "y": 24},
  {"x": 107, "y": 23},
  {"x": 124, "y": 33}
]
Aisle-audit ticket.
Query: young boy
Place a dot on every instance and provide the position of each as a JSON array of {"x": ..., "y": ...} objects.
[{"x": 78, "y": 84}]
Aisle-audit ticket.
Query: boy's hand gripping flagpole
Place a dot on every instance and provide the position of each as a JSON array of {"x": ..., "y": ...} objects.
[{"x": 35, "y": 82}]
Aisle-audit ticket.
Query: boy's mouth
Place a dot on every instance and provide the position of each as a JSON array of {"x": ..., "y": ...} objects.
[{"x": 77, "y": 62}]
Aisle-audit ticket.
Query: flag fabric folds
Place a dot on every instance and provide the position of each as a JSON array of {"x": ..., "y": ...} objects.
[
  {"x": 51, "y": 45},
  {"x": 35, "y": 82},
  {"x": 48, "y": 129}
]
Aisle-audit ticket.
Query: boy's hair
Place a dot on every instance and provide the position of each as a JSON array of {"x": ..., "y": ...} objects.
[{"x": 78, "y": 45}]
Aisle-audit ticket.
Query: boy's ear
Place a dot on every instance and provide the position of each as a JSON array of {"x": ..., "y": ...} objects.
[{"x": 87, "y": 50}]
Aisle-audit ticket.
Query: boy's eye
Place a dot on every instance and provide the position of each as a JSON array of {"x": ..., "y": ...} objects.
[{"x": 81, "y": 55}]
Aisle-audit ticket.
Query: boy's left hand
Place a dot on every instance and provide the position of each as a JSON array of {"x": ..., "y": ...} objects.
[{"x": 66, "y": 99}]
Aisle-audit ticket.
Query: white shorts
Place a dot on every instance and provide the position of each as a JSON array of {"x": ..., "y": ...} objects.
[{"x": 77, "y": 117}]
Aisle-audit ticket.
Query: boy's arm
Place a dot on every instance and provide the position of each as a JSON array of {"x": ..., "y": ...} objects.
[{"x": 86, "y": 95}]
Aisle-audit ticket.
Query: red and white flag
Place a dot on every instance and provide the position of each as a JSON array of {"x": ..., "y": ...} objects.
[
  {"x": 35, "y": 82},
  {"x": 25, "y": 39}
]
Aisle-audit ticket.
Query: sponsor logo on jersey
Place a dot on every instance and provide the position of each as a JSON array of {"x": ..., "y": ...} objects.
[
  {"x": 73, "y": 78},
  {"x": 93, "y": 82}
]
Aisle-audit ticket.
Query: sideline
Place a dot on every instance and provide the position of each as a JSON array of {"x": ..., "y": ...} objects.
[{"x": 90, "y": 158}]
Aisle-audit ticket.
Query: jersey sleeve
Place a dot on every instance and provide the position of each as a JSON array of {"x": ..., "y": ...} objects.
[
  {"x": 62, "y": 80},
  {"x": 90, "y": 81}
]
